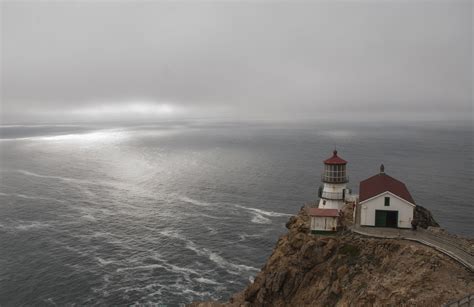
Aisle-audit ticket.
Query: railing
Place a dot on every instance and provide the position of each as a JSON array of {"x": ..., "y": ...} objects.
[
  {"x": 446, "y": 239},
  {"x": 423, "y": 237},
  {"x": 331, "y": 179}
]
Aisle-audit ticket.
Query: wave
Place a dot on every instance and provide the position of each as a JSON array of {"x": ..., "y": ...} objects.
[
  {"x": 230, "y": 267},
  {"x": 259, "y": 219},
  {"x": 256, "y": 210},
  {"x": 244, "y": 236},
  {"x": 103, "y": 262},
  {"x": 196, "y": 202},
  {"x": 31, "y": 225},
  {"x": 263, "y": 212},
  {"x": 183, "y": 271},
  {"x": 203, "y": 280},
  {"x": 212, "y": 230},
  {"x": 140, "y": 267},
  {"x": 172, "y": 234},
  {"x": 197, "y": 293},
  {"x": 31, "y": 197},
  {"x": 28, "y": 173},
  {"x": 177, "y": 269},
  {"x": 80, "y": 183}
]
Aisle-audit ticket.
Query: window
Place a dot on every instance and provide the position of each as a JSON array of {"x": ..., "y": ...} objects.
[{"x": 387, "y": 201}]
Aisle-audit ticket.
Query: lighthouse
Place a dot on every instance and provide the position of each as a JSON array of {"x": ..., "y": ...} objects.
[{"x": 332, "y": 193}]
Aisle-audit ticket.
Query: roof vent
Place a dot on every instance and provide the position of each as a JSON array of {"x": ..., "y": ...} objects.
[{"x": 382, "y": 169}]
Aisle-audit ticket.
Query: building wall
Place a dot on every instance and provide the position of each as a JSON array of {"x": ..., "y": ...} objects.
[
  {"x": 321, "y": 223},
  {"x": 331, "y": 187},
  {"x": 332, "y": 204},
  {"x": 405, "y": 210}
]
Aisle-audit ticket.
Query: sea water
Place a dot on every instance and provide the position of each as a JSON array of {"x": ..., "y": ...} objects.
[{"x": 175, "y": 212}]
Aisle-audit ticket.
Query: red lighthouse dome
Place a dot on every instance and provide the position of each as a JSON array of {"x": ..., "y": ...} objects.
[{"x": 335, "y": 159}]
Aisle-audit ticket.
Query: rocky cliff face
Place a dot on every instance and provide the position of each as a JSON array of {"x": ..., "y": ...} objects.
[
  {"x": 351, "y": 270},
  {"x": 424, "y": 217}
]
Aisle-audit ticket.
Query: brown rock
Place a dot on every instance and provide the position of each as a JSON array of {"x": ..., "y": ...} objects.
[{"x": 342, "y": 271}]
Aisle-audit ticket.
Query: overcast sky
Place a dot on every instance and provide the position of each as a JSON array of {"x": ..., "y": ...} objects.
[{"x": 124, "y": 60}]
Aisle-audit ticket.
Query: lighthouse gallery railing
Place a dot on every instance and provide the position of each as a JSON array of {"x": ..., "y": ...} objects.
[{"x": 330, "y": 195}]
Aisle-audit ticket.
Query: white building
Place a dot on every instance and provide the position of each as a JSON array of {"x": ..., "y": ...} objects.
[
  {"x": 334, "y": 180},
  {"x": 323, "y": 220},
  {"x": 385, "y": 202}
]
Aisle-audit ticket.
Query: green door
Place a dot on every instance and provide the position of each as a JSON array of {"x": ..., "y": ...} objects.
[
  {"x": 386, "y": 218},
  {"x": 380, "y": 218}
]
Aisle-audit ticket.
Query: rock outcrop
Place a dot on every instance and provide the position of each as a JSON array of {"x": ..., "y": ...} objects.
[
  {"x": 424, "y": 217},
  {"x": 347, "y": 269}
]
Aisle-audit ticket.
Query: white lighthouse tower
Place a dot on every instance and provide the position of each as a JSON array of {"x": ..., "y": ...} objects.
[{"x": 332, "y": 193}]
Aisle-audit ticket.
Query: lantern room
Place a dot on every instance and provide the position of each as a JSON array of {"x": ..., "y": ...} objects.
[{"x": 334, "y": 170}]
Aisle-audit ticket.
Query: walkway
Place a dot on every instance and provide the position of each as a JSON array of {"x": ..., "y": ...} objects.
[{"x": 459, "y": 252}]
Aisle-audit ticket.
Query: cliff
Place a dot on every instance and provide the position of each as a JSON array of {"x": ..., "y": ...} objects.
[{"x": 348, "y": 269}]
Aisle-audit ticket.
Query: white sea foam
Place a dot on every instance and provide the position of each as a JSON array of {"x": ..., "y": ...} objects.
[
  {"x": 232, "y": 268},
  {"x": 212, "y": 216},
  {"x": 196, "y": 202},
  {"x": 260, "y": 219},
  {"x": 103, "y": 262},
  {"x": 244, "y": 236},
  {"x": 176, "y": 269},
  {"x": 140, "y": 267},
  {"x": 256, "y": 210},
  {"x": 206, "y": 281},
  {"x": 214, "y": 257},
  {"x": 32, "y": 225},
  {"x": 28, "y": 173},
  {"x": 173, "y": 234},
  {"x": 212, "y": 230},
  {"x": 82, "y": 182},
  {"x": 263, "y": 212},
  {"x": 196, "y": 293}
]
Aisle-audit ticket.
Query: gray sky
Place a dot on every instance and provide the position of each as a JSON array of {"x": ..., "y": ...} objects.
[{"x": 287, "y": 60}]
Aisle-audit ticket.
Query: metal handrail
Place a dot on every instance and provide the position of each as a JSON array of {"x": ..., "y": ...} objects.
[
  {"x": 332, "y": 195},
  {"x": 330, "y": 179}
]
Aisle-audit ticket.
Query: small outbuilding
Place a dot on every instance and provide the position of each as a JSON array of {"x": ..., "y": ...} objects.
[
  {"x": 323, "y": 220},
  {"x": 385, "y": 202}
]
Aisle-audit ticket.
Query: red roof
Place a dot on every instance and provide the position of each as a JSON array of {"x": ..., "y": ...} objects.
[
  {"x": 323, "y": 212},
  {"x": 381, "y": 183},
  {"x": 335, "y": 159}
]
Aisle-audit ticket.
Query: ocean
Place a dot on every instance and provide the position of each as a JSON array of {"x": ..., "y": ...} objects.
[{"x": 180, "y": 211}]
